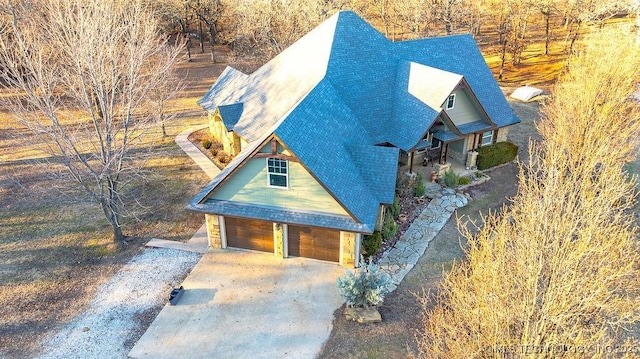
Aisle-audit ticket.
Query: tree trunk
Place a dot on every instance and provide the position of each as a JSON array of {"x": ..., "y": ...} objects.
[
  {"x": 118, "y": 237},
  {"x": 112, "y": 216},
  {"x": 212, "y": 34},
  {"x": 502, "y": 60},
  {"x": 201, "y": 36},
  {"x": 575, "y": 37},
  {"x": 546, "y": 32}
]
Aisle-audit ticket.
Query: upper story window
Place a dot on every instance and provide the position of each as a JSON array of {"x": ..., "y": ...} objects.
[
  {"x": 487, "y": 138},
  {"x": 451, "y": 101},
  {"x": 277, "y": 171}
]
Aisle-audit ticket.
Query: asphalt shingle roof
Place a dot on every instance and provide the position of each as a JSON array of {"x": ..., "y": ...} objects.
[
  {"x": 230, "y": 114},
  {"x": 336, "y": 95},
  {"x": 474, "y": 126}
]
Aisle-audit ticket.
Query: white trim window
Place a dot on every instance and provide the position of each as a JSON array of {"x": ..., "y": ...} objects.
[
  {"x": 487, "y": 138},
  {"x": 277, "y": 173},
  {"x": 451, "y": 101}
]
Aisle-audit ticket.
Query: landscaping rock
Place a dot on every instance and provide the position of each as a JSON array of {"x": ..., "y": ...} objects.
[{"x": 365, "y": 315}]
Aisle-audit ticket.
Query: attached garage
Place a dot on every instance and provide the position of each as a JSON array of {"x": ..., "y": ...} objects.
[
  {"x": 249, "y": 234},
  {"x": 314, "y": 242}
]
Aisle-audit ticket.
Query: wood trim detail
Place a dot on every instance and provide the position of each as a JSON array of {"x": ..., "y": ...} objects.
[{"x": 279, "y": 156}]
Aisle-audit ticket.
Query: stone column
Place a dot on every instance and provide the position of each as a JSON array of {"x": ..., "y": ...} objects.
[
  {"x": 348, "y": 249},
  {"x": 502, "y": 134},
  {"x": 213, "y": 230},
  {"x": 279, "y": 231}
]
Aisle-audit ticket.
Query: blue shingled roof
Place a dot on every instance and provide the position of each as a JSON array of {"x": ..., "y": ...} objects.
[
  {"x": 475, "y": 126},
  {"x": 230, "y": 114},
  {"x": 337, "y": 94},
  {"x": 326, "y": 137},
  {"x": 281, "y": 215},
  {"x": 446, "y": 136},
  {"x": 460, "y": 54}
]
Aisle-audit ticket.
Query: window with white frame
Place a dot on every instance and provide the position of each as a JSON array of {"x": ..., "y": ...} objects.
[
  {"x": 487, "y": 138},
  {"x": 277, "y": 171},
  {"x": 451, "y": 101}
]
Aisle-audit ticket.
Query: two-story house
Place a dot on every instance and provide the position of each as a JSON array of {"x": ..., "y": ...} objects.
[{"x": 318, "y": 132}]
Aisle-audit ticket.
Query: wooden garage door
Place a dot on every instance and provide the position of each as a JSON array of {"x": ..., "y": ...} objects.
[
  {"x": 249, "y": 234},
  {"x": 314, "y": 242}
]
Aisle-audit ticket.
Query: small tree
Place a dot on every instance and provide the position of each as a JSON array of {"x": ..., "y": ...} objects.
[
  {"x": 390, "y": 227},
  {"x": 368, "y": 286}
]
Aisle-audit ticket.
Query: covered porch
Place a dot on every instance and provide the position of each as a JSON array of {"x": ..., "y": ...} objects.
[{"x": 437, "y": 159}]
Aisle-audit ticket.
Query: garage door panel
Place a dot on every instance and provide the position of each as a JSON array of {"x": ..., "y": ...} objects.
[
  {"x": 314, "y": 242},
  {"x": 249, "y": 234}
]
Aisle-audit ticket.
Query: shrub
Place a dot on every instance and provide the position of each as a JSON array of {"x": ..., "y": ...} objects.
[
  {"x": 389, "y": 228},
  {"x": 419, "y": 188},
  {"x": 366, "y": 287},
  {"x": 372, "y": 243},
  {"x": 206, "y": 143},
  {"x": 215, "y": 151},
  {"x": 395, "y": 207},
  {"x": 451, "y": 179},
  {"x": 464, "y": 181},
  {"x": 223, "y": 157},
  {"x": 496, "y": 154}
]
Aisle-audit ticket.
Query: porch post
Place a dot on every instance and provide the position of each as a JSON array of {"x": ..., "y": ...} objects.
[{"x": 411, "y": 162}]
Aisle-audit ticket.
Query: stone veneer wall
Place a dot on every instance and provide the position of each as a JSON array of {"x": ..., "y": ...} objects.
[
  {"x": 502, "y": 134},
  {"x": 349, "y": 242},
  {"x": 213, "y": 230}
]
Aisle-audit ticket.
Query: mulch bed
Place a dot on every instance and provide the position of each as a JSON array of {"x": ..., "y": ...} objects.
[
  {"x": 408, "y": 205},
  {"x": 197, "y": 137}
]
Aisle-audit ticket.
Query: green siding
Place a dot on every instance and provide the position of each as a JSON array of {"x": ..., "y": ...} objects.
[
  {"x": 249, "y": 185},
  {"x": 464, "y": 111}
]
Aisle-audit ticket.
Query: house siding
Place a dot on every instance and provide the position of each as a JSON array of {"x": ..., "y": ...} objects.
[
  {"x": 463, "y": 110},
  {"x": 250, "y": 185}
]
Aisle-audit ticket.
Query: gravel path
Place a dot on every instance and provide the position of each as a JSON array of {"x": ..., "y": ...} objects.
[{"x": 108, "y": 327}]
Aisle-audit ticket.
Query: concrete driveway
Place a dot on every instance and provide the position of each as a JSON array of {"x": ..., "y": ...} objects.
[{"x": 240, "y": 304}]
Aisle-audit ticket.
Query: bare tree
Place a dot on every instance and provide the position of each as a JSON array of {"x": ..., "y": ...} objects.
[
  {"x": 556, "y": 274},
  {"x": 581, "y": 12},
  {"x": 412, "y": 17},
  {"x": 80, "y": 74},
  {"x": 547, "y": 8},
  {"x": 209, "y": 12},
  {"x": 265, "y": 28}
]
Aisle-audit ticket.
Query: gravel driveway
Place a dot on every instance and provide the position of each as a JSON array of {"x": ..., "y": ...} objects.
[{"x": 108, "y": 327}]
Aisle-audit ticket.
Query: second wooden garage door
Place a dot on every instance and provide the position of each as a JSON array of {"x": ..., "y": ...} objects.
[
  {"x": 314, "y": 242},
  {"x": 249, "y": 234}
]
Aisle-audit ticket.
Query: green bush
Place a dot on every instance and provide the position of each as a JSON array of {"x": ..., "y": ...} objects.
[
  {"x": 395, "y": 207},
  {"x": 206, "y": 143},
  {"x": 389, "y": 228},
  {"x": 496, "y": 154},
  {"x": 372, "y": 243},
  {"x": 419, "y": 188},
  {"x": 464, "y": 181},
  {"x": 368, "y": 287},
  {"x": 451, "y": 179}
]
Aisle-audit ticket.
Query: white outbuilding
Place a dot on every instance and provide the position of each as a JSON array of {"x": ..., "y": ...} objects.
[{"x": 526, "y": 93}]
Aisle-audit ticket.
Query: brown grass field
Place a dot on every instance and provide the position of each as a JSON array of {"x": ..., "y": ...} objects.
[{"x": 56, "y": 249}]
